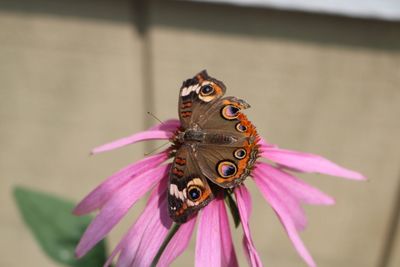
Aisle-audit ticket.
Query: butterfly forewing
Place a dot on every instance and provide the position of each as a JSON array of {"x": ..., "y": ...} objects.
[{"x": 196, "y": 96}]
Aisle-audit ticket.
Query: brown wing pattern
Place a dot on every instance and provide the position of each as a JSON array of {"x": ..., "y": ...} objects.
[
  {"x": 216, "y": 142},
  {"x": 227, "y": 165},
  {"x": 196, "y": 96},
  {"x": 188, "y": 189}
]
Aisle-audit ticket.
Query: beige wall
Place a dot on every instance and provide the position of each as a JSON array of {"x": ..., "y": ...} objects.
[{"x": 72, "y": 78}]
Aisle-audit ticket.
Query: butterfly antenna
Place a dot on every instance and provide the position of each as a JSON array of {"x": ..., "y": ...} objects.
[
  {"x": 154, "y": 117},
  {"x": 154, "y": 150}
]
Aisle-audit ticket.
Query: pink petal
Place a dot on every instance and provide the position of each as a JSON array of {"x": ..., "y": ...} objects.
[
  {"x": 286, "y": 219},
  {"x": 291, "y": 203},
  {"x": 208, "y": 243},
  {"x": 144, "y": 239},
  {"x": 105, "y": 190},
  {"x": 228, "y": 255},
  {"x": 243, "y": 200},
  {"x": 118, "y": 206},
  {"x": 170, "y": 125},
  {"x": 137, "y": 137},
  {"x": 294, "y": 186},
  {"x": 131, "y": 241},
  {"x": 114, "y": 253},
  {"x": 178, "y": 243},
  {"x": 136, "y": 231},
  {"x": 214, "y": 243},
  {"x": 305, "y": 162},
  {"x": 264, "y": 144}
]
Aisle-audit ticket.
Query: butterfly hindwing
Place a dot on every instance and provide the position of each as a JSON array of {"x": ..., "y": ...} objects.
[
  {"x": 227, "y": 166},
  {"x": 188, "y": 189}
]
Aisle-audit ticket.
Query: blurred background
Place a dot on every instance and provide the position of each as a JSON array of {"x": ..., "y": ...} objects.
[{"x": 320, "y": 77}]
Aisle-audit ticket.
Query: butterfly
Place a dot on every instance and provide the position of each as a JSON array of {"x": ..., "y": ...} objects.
[{"x": 214, "y": 149}]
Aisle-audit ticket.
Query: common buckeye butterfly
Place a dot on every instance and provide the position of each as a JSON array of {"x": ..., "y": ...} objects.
[{"x": 214, "y": 149}]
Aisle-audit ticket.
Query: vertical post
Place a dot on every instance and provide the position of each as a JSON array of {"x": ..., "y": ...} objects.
[
  {"x": 391, "y": 234},
  {"x": 141, "y": 20}
]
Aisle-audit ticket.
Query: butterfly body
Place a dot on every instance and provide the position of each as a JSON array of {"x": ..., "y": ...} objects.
[
  {"x": 215, "y": 148},
  {"x": 194, "y": 136}
]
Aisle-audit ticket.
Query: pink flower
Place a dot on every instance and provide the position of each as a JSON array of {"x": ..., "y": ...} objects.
[{"x": 115, "y": 196}]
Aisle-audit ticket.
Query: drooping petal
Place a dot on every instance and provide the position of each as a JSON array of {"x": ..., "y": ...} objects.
[
  {"x": 105, "y": 190},
  {"x": 291, "y": 192},
  {"x": 115, "y": 251},
  {"x": 208, "y": 243},
  {"x": 164, "y": 130},
  {"x": 214, "y": 245},
  {"x": 137, "y": 137},
  {"x": 170, "y": 125},
  {"x": 117, "y": 207},
  {"x": 178, "y": 243},
  {"x": 305, "y": 162},
  {"x": 229, "y": 254},
  {"x": 244, "y": 204},
  {"x": 131, "y": 241},
  {"x": 144, "y": 239},
  {"x": 294, "y": 186},
  {"x": 285, "y": 218},
  {"x": 291, "y": 203}
]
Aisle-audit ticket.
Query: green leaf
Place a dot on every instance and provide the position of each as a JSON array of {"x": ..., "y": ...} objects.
[{"x": 56, "y": 229}]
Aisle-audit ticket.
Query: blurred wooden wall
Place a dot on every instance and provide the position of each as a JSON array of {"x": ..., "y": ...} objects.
[{"x": 75, "y": 74}]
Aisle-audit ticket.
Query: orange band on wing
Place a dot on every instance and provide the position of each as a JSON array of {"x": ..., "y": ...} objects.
[{"x": 251, "y": 147}]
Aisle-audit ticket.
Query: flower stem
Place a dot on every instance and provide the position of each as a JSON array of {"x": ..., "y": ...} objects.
[
  {"x": 168, "y": 238},
  {"x": 233, "y": 208}
]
